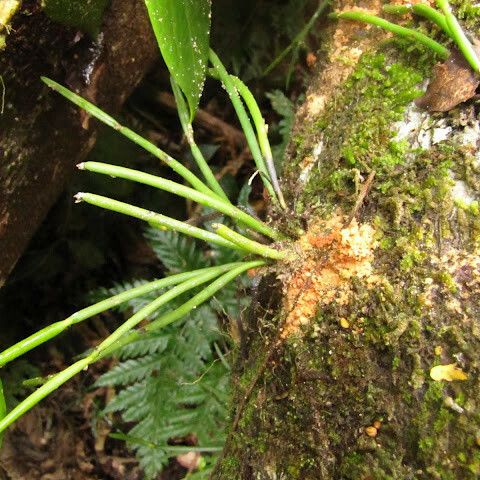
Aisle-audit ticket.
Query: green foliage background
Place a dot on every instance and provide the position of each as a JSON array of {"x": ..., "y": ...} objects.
[{"x": 176, "y": 383}]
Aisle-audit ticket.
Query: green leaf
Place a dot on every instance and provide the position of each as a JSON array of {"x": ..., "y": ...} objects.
[
  {"x": 86, "y": 15},
  {"x": 178, "y": 253},
  {"x": 182, "y": 28},
  {"x": 3, "y": 409},
  {"x": 285, "y": 108}
]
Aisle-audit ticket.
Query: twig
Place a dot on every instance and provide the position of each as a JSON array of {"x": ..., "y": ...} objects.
[
  {"x": 206, "y": 120},
  {"x": 235, "y": 163},
  {"x": 361, "y": 197}
]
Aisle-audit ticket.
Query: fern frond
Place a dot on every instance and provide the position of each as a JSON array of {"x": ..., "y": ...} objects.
[
  {"x": 154, "y": 342},
  {"x": 178, "y": 388},
  {"x": 285, "y": 108},
  {"x": 131, "y": 371},
  {"x": 172, "y": 384},
  {"x": 129, "y": 398},
  {"x": 231, "y": 300},
  {"x": 152, "y": 461},
  {"x": 178, "y": 253}
]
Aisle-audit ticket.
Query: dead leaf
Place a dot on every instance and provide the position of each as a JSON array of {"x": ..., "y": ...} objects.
[
  {"x": 189, "y": 460},
  {"x": 453, "y": 82},
  {"x": 448, "y": 373}
]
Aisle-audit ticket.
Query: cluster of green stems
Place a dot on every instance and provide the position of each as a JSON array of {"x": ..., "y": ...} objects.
[
  {"x": 208, "y": 193},
  {"x": 444, "y": 19}
]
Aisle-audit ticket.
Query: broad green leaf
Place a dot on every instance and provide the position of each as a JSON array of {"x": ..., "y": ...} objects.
[
  {"x": 86, "y": 15},
  {"x": 182, "y": 28},
  {"x": 3, "y": 409}
]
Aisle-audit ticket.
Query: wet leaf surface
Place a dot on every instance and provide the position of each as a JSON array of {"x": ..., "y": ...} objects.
[{"x": 182, "y": 29}]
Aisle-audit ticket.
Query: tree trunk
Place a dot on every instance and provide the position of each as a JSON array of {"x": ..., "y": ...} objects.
[
  {"x": 42, "y": 136},
  {"x": 334, "y": 379}
]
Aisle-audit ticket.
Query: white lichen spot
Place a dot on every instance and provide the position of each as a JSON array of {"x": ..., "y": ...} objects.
[
  {"x": 317, "y": 150},
  {"x": 440, "y": 134},
  {"x": 470, "y": 135},
  {"x": 462, "y": 194},
  {"x": 315, "y": 104},
  {"x": 420, "y": 130},
  {"x": 308, "y": 162},
  {"x": 413, "y": 128}
]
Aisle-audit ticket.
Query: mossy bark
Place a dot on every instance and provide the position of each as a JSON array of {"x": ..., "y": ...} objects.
[
  {"x": 349, "y": 395},
  {"x": 41, "y": 135}
]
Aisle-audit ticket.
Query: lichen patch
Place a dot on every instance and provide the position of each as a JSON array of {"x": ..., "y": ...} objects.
[
  {"x": 459, "y": 273},
  {"x": 331, "y": 253}
]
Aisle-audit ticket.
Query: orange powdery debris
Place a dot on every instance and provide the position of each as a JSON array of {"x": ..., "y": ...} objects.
[
  {"x": 253, "y": 272},
  {"x": 347, "y": 29},
  {"x": 330, "y": 255}
]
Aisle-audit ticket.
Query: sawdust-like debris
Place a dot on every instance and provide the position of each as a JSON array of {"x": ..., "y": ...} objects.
[{"x": 331, "y": 255}]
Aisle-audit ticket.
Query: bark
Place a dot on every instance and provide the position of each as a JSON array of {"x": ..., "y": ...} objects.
[
  {"x": 42, "y": 136},
  {"x": 333, "y": 380}
]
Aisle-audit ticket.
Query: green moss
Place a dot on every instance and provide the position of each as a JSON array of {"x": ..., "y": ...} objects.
[
  {"x": 367, "y": 143},
  {"x": 471, "y": 207},
  {"x": 229, "y": 468},
  {"x": 468, "y": 12},
  {"x": 395, "y": 362},
  {"x": 426, "y": 444},
  {"x": 410, "y": 259},
  {"x": 446, "y": 279},
  {"x": 439, "y": 430}
]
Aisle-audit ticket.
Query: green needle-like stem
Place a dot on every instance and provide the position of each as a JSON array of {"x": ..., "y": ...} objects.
[
  {"x": 60, "y": 378},
  {"x": 247, "y": 244},
  {"x": 155, "y": 219},
  {"x": 130, "y": 134},
  {"x": 184, "y": 116},
  {"x": 244, "y": 121},
  {"x": 459, "y": 36},
  {"x": 442, "y": 51},
  {"x": 187, "y": 307},
  {"x": 262, "y": 134},
  {"x": 397, "y": 9},
  {"x": 182, "y": 191},
  {"x": 433, "y": 15},
  {"x": 47, "y": 333},
  {"x": 421, "y": 10}
]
